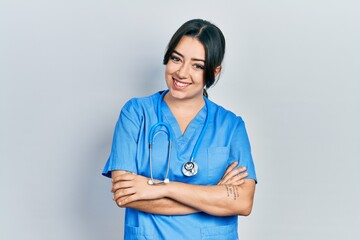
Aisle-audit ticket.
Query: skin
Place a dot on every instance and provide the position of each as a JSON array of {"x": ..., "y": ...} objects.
[
  {"x": 233, "y": 195},
  {"x": 186, "y": 67},
  {"x": 165, "y": 205}
]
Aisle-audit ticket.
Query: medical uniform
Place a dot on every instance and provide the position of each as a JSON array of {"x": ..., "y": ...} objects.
[{"x": 225, "y": 141}]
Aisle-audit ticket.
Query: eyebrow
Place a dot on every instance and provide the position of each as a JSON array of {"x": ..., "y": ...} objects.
[{"x": 194, "y": 59}]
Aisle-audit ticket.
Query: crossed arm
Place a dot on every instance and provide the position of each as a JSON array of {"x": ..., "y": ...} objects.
[{"x": 233, "y": 195}]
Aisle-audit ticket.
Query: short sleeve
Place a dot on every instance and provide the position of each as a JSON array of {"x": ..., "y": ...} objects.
[
  {"x": 124, "y": 145},
  {"x": 240, "y": 149}
]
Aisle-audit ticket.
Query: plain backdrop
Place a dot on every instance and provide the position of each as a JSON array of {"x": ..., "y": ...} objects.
[{"x": 292, "y": 71}]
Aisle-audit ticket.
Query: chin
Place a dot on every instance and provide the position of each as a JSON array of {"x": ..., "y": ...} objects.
[
  {"x": 182, "y": 95},
  {"x": 177, "y": 94}
]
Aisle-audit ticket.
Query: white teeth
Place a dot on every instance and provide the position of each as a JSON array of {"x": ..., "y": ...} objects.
[{"x": 181, "y": 84}]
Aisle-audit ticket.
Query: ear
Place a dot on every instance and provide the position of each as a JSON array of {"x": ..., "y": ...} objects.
[{"x": 217, "y": 71}]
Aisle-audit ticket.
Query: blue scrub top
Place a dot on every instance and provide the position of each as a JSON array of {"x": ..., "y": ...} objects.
[{"x": 224, "y": 142}]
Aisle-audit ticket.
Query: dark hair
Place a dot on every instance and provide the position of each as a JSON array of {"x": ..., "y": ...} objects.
[{"x": 210, "y": 36}]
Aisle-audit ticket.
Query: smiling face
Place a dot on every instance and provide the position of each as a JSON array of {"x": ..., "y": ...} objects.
[{"x": 184, "y": 72}]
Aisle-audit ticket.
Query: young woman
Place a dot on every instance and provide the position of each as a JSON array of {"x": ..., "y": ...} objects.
[{"x": 180, "y": 164}]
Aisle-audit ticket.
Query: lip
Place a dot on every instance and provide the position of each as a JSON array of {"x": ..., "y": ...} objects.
[{"x": 180, "y": 84}]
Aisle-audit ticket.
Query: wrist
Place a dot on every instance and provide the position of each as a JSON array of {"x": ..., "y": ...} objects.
[{"x": 168, "y": 189}]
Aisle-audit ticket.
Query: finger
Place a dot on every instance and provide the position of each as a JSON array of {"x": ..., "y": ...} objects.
[
  {"x": 124, "y": 177},
  {"x": 237, "y": 183},
  {"x": 228, "y": 170},
  {"x": 237, "y": 180},
  {"x": 118, "y": 173},
  {"x": 123, "y": 192},
  {"x": 121, "y": 184},
  {"x": 232, "y": 174},
  {"x": 120, "y": 196},
  {"x": 120, "y": 201},
  {"x": 238, "y": 176},
  {"x": 127, "y": 200},
  {"x": 231, "y": 167}
]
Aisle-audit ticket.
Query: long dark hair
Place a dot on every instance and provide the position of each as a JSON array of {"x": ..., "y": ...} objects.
[{"x": 214, "y": 43}]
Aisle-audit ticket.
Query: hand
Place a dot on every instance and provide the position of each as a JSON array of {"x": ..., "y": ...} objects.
[
  {"x": 130, "y": 187},
  {"x": 233, "y": 176}
]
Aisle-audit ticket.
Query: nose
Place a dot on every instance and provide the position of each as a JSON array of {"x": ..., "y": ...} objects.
[{"x": 183, "y": 71}]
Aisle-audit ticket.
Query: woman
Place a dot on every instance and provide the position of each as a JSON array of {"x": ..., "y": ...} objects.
[{"x": 195, "y": 188}]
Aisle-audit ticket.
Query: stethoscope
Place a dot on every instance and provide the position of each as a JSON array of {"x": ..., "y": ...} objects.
[{"x": 189, "y": 168}]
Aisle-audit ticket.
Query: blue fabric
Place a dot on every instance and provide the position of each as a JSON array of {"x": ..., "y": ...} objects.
[{"x": 224, "y": 142}]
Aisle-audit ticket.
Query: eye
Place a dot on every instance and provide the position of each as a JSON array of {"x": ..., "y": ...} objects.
[
  {"x": 174, "y": 58},
  {"x": 198, "y": 66}
]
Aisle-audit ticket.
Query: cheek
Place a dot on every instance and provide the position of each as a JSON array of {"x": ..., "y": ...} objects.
[
  {"x": 170, "y": 68},
  {"x": 199, "y": 76}
]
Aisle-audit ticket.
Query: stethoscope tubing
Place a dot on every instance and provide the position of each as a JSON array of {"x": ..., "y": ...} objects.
[
  {"x": 152, "y": 136},
  {"x": 169, "y": 133}
]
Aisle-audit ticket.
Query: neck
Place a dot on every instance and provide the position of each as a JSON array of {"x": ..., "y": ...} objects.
[
  {"x": 184, "y": 110},
  {"x": 193, "y": 104}
]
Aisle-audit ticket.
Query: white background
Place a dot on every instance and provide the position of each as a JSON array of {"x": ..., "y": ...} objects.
[{"x": 292, "y": 71}]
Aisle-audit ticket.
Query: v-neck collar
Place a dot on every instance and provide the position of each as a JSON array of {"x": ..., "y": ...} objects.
[{"x": 196, "y": 123}]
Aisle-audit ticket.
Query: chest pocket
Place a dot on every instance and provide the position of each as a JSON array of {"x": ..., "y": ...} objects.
[{"x": 218, "y": 161}]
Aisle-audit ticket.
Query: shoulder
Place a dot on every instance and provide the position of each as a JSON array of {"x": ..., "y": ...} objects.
[
  {"x": 222, "y": 115},
  {"x": 138, "y": 104},
  {"x": 136, "y": 108},
  {"x": 228, "y": 123}
]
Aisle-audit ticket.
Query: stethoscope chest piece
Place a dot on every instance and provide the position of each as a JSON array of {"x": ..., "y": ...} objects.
[{"x": 190, "y": 168}]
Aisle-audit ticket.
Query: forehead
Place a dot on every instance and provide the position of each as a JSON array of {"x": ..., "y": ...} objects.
[{"x": 191, "y": 47}]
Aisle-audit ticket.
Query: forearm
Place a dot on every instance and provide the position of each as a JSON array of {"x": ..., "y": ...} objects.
[
  {"x": 232, "y": 196},
  {"x": 220, "y": 200},
  {"x": 163, "y": 206}
]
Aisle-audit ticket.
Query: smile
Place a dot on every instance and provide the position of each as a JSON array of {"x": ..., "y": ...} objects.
[{"x": 180, "y": 84}]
